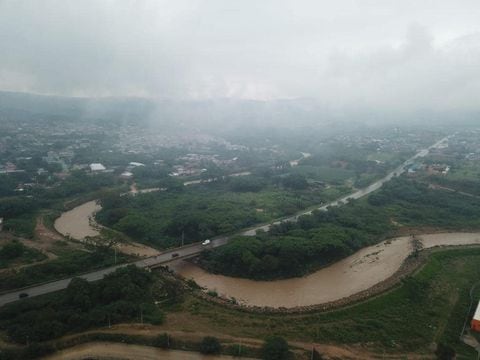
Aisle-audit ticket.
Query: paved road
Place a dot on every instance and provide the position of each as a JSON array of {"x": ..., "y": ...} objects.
[
  {"x": 358, "y": 194},
  {"x": 151, "y": 262},
  {"x": 195, "y": 249}
]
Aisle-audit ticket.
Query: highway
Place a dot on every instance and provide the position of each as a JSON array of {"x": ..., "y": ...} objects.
[{"x": 194, "y": 249}]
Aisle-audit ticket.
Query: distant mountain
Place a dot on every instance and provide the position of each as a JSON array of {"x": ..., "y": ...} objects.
[{"x": 217, "y": 115}]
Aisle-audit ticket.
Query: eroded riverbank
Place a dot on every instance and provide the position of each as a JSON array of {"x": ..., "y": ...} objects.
[{"x": 354, "y": 274}]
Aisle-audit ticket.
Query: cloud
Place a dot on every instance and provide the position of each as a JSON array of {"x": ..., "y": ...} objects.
[{"x": 371, "y": 53}]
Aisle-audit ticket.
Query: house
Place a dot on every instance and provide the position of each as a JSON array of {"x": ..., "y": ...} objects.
[
  {"x": 96, "y": 167},
  {"x": 475, "y": 324},
  {"x": 126, "y": 175}
]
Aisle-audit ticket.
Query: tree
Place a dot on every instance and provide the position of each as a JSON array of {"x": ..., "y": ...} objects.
[
  {"x": 316, "y": 355},
  {"x": 79, "y": 294},
  {"x": 275, "y": 348},
  {"x": 162, "y": 341},
  {"x": 12, "y": 250},
  {"x": 445, "y": 352},
  {"x": 295, "y": 181},
  {"x": 210, "y": 345}
]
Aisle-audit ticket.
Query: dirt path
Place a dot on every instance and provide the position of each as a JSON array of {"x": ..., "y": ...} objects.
[
  {"x": 328, "y": 351},
  {"x": 46, "y": 238},
  {"x": 43, "y": 241},
  {"x": 440, "y": 187},
  {"x": 105, "y": 350}
]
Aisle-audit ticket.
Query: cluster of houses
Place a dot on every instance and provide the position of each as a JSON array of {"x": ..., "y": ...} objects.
[
  {"x": 126, "y": 174},
  {"x": 193, "y": 164},
  {"x": 434, "y": 169},
  {"x": 9, "y": 167}
]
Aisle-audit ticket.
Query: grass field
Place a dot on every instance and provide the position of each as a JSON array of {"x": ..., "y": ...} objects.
[{"x": 430, "y": 307}]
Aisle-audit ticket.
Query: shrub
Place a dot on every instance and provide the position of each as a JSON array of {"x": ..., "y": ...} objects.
[
  {"x": 275, "y": 348},
  {"x": 162, "y": 341},
  {"x": 210, "y": 345}
]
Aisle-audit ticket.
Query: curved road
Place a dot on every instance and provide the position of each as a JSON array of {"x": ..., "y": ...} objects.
[{"x": 195, "y": 249}]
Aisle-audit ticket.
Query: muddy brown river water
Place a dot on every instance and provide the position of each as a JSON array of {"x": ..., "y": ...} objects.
[
  {"x": 354, "y": 274},
  {"x": 79, "y": 223},
  {"x": 76, "y": 222},
  {"x": 344, "y": 278}
]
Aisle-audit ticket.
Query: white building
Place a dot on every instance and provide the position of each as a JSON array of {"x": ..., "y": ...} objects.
[
  {"x": 97, "y": 167},
  {"x": 126, "y": 175}
]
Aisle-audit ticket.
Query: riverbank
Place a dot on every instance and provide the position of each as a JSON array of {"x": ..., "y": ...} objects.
[
  {"x": 396, "y": 321},
  {"x": 79, "y": 223},
  {"x": 365, "y": 272}
]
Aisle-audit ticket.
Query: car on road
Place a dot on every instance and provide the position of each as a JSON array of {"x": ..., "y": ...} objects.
[
  {"x": 206, "y": 242},
  {"x": 174, "y": 255},
  {"x": 22, "y": 295}
]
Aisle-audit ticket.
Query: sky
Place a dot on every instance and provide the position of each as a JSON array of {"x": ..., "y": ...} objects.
[{"x": 388, "y": 54}]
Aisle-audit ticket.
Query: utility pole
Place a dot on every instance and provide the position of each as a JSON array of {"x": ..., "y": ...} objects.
[
  {"x": 183, "y": 236},
  {"x": 141, "y": 315}
]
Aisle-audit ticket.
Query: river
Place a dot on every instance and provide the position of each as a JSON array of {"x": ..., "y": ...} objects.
[
  {"x": 78, "y": 222},
  {"x": 349, "y": 276}
]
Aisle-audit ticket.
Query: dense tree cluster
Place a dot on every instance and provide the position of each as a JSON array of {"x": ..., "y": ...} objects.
[
  {"x": 15, "y": 250},
  {"x": 163, "y": 218},
  {"x": 295, "y": 248},
  {"x": 80, "y": 182},
  {"x": 18, "y": 213},
  {"x": 121, "y": 296}
]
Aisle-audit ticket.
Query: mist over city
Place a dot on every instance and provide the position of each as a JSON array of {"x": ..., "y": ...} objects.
[{"x": 277, "y": 180}]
